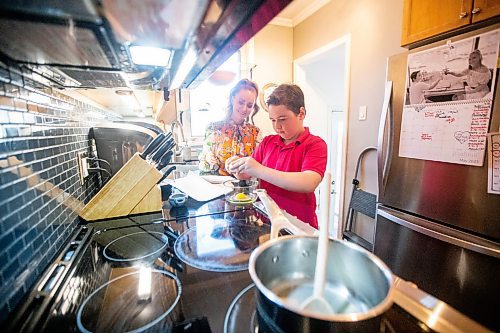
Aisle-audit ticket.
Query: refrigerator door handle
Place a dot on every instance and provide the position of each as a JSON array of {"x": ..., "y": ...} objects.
[
  {"x": 445, "y": 234},
  {"x": 384, "y": 149}
]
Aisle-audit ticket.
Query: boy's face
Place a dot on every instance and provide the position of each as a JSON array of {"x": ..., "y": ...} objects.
[{"x": 287, "y": 124}]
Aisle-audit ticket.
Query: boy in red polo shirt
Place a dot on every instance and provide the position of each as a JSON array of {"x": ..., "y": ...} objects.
[{"x": 291, "y": 164}]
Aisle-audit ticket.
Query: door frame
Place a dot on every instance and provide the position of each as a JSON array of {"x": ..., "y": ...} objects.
[{"x": 311, "y": 56}]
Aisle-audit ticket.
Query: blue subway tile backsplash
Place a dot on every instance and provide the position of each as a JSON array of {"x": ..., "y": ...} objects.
[{"x": 41, "y": 132}]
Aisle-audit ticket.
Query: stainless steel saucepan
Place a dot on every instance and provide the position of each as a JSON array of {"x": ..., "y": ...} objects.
[{"x": 359, "y": 286}]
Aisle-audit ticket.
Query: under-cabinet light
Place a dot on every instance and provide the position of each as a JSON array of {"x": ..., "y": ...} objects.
[
  {"x": 184, "y": 68},
  {"x": 149, "y": 55}
]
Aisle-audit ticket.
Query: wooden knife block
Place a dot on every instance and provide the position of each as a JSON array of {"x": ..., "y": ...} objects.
[{"x": 132, "y": 190}]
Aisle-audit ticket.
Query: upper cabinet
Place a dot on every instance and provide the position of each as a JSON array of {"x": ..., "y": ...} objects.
[
  {"x": 484, "y": 9},
  {"x": 426, "y": 18}
]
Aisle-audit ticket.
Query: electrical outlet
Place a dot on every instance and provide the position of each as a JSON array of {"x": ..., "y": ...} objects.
[{"x": 83, "y": 166}]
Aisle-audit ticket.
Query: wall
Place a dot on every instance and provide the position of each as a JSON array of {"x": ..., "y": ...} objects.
[
  {"x": 375, "y": 30},
  {"x": 41, "y": 131},
  {"x": 271, "y": 51}
]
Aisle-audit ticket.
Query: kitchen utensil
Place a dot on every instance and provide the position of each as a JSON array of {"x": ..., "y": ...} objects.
[
  {"x": 154, "y": 157},
  {"x": 167, "y": 172},
  {"x": 152, "y": 145},
  {"x": 359, "y": 286},
  {"x": 242, "y": 192},
  {"x": 316, "y": 302},
  {"x": 165, "y": 159},
  {"x": 171, "y": 145},
  {"x": 278, "y": 219},
  {"x": 132, "y": 189}
]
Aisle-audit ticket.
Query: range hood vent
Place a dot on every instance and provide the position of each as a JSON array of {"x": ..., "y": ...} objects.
[{"x": 88, "y": 40}]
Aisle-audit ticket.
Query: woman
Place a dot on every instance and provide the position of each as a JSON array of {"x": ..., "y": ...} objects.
[
  {"x": 234, "y": 135},
  {"x": 477, "y": 76},
  {"x": 291, "y": 164}
]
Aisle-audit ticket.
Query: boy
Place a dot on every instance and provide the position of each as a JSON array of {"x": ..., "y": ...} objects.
[{"x": 291, "y": 164}]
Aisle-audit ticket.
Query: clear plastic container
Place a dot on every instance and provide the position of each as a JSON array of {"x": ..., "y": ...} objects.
[{"x": 243, "y": 191}]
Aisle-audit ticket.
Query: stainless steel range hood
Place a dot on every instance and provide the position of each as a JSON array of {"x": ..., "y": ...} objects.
[{"x": 87, "y": 43}]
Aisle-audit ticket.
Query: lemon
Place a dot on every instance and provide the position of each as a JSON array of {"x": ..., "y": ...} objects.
[{"x": 241, "y": 197}]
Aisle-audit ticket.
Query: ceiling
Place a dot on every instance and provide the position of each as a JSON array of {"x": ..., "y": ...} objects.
[
  {"x": 142, "y": 103},
  {"x": 297, "y": 12}
]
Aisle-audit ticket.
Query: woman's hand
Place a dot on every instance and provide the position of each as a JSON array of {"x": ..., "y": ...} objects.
[
  {"x": 211, "y": 158},
  {"x": 228, "y": 165}
]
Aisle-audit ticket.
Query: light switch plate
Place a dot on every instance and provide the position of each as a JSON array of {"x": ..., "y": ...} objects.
[{"x": 362, "y": 112}]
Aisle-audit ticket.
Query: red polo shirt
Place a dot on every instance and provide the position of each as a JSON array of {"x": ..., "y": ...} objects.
[{"x": 308, "y": 152}]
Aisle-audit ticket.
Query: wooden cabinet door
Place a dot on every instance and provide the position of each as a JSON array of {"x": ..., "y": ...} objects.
[
  {"x": 427, "y": 18},
  {"x": 484, "y": 9}
]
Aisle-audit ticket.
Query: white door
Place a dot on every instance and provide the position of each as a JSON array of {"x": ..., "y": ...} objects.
[
  {"x": 323, "y": 76},
  {"x": 335, "y": 151}
]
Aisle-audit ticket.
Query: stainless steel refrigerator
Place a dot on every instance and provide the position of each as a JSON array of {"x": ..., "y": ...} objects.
[{"x": 436, "y": 224}]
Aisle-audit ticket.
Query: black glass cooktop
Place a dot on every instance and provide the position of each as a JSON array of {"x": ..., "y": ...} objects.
[
  {"x": 129, "y": 278},
  {"x": 182, "y": 270}
]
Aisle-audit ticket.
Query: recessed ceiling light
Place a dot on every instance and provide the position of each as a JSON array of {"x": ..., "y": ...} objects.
[{"x": 148, "y": 55}]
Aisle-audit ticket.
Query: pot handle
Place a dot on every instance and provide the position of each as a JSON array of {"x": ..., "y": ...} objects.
[{"x": 278, "y": 219}]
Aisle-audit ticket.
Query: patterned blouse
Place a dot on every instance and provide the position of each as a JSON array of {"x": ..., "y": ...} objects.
[{"x": 225, "y": 139}]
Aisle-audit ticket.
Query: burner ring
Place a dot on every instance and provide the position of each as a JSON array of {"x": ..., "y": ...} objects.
[
  {"x": 137, "y": 258},
  {"x": 230, "y": 310},
  {"x": 140, "y": 329}
]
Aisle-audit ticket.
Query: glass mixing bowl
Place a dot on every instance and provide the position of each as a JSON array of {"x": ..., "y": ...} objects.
[{"x": 242, "y": 191}]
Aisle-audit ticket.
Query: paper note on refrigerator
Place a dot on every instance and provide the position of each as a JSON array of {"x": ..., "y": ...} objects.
[
  {"x": 451, "y": 132},
  {"x": 494, "y": 163},
  {"x": 448, "y": 100}
]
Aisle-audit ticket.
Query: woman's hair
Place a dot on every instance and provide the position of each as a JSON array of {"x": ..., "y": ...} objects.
[
  {"x": 243, "y": 84},
  {"x": 413, "y": 76},
  {"x": 477, "y": 52},
  {"x": 289, "y": 95}
]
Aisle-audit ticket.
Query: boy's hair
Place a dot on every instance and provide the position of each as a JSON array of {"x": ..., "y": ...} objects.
[{"x": 288, "y": 95}]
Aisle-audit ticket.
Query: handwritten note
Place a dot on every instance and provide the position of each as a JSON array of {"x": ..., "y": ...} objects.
[
  {"x": 494, "y": 163},
  {"x": 446, "y": 132}
]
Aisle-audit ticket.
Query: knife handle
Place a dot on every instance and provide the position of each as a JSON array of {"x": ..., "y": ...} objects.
[
  {"x": 172, "y": 145},
  {"x": 152, "y": 145},
  {"x": 165, "y": 159},
  {"x": 154, "y": 156},
  {"x": 168, "y": 172}
]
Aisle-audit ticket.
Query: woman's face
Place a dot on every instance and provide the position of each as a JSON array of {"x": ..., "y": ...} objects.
[
  {"x": 288, "y": 125},
  {"x": 243, "y": 105},
  {"x": 474, "y": 60}
]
